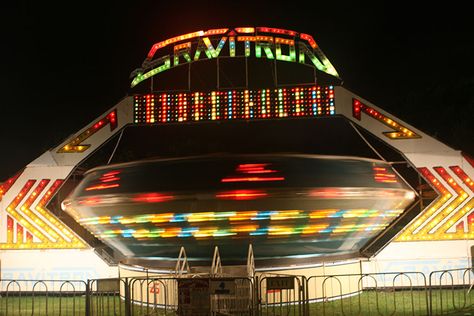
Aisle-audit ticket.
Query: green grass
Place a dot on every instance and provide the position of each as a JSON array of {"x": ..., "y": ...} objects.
[
  {"x": 397, "y": 303},
  {"x": 40, "y": 305},
  {"x": 70, "y": 306},
  {"x": 453, "y": 303}
]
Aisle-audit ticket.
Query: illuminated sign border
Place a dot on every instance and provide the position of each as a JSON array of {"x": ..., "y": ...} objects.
[
  {"x": 300, "y": 101},
  {"x": 267, "y": 42}
]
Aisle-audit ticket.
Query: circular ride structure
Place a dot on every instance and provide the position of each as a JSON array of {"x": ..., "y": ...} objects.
[
  {"x": 286, "y": 206},
  {"x": 235, "y": 137},
  {"x": 293, "y": 204}
]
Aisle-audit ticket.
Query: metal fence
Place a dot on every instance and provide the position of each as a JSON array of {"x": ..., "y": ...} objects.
[
  {"x": 42, "y": 297},
  {"x": 451, "y": 291},
  {"x": 104, "y": 297},
  {"x": 368, "y": 294},
  {"x": 446, "y": 292},
  {"x": 282, "y": 295}
]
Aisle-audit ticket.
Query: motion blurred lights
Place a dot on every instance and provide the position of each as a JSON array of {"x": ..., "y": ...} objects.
[
  {"x": 241, "y": 195},
  {"x": 242, "y": 224},
  {"x": 383, "y": 175},
  {"x": 253, "y": 173}
]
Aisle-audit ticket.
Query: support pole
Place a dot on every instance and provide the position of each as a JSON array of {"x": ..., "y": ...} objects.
[
  {"x": 88, "y": 298},
  {"x": 128, "y": 303}
]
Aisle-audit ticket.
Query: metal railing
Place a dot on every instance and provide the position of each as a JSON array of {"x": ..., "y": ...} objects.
[
  {"x": 42, "y": 297},
  {"x": 368, "y": 294},
  {"x": 281, "y": 295},
  {"x": 446, "y": 292},
  {"x": 451, "y": 291}
]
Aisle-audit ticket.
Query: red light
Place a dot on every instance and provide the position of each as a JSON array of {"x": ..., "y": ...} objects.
[
  {"x": 104, "y": 179},
  {"x": 19, "y": 233},
  {"x": 215, "y": 31},
  {"x": 162, "y": 44},
  {"x": 8, "y": 184},
  {"x": 29, "y": 237},
  {"x": 103, "y": 187},
  {"x": 110, "y": 176},
  {"x": 383, "y": 175},
  {"x": 470, "y": 218},
  {"x": 463, "y": 176},
  {"x": 327, "y": 193},
  {"x": 245, "y": 29},
  {"x": 9, "y": 229},
  {"x": 152, "y": 198},
  {"x": 276, "y": 31},
  {"x": 446, "y": 177},
  {"x": 241, "y": 195},
  {"x": 273, "y": 291},
  {"x": 257, "y": 168},
  {"x": 9, "y": 223},
  {"x": 469, "y": 159},
  {"x": 75, "y": 144},
  {"x": 91, "y": 201},
  {"x": 432, "y": 179},
  {"x": 310, "y": 40},
  {"x": 253, "y": 179}
]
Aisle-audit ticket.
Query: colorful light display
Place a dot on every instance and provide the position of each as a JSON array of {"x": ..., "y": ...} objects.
[
  {"x": 190, "y": 46},
  {"x": 283, "y": 204},
  {"x": 4, "y": 187},
  {"x": 401, "y": 132},
  {"x": 75, "y": 146},
  {"x": 463, "y": 231},
  {"x": 37, "y": 222},
  {"x": 230, "y": 105},
  {"x": 445, "y": 212},
  {"x": 253, "y": 173},
  {"x": 240, "y": 223}
]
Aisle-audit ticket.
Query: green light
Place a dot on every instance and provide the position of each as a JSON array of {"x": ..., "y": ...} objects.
[
  {"x": 329, "y": 67},
  {"x": 307, "y": 51},
  {"x": 182, "y": 52},
  {"x": 292, "y": 53},
  {"x": 267, "y": 48},
  {"x": 232, "y": 46},
  {"x": 304, "y": 50},
  {"x": 211, "y": 52},
  {"x": 200, "y": 48}
]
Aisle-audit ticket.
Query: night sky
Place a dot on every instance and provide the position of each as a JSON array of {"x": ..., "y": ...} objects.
[{"x": 65, "y": 63}]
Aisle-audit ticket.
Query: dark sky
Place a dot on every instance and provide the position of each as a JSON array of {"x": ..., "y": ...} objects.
[{"x": 64, "y": 63}]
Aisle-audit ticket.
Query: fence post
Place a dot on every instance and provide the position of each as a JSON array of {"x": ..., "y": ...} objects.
[
  {"x": 256, "y": 303},
  {"x": 430, "y": 296},
  {"x": 88, "y": 298},
  {"x": 304, "y": 282},
  {"x": 128, "y": 307}
]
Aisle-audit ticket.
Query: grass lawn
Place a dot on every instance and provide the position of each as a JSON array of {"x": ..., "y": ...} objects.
[
  {"x": 454, "y": 303},
  {"x": 398, "y": 303},
  {"x": 70, "y": 306}
]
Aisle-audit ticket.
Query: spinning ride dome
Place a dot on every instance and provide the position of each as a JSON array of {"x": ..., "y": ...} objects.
[{"x": 302, "y": 196}]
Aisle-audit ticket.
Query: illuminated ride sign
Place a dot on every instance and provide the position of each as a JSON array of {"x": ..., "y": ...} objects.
[
  {"x": 311, "y": 101},
  {"x": 260, "y": 42}
]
